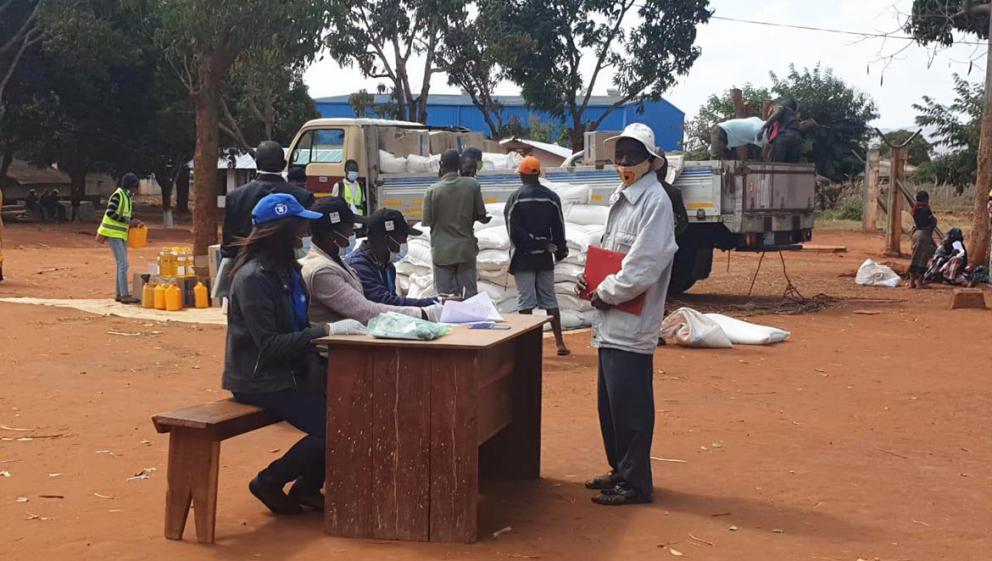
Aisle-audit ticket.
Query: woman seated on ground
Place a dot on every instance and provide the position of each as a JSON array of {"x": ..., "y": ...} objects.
[
  {"x": 334, "y": 286},
  {"x": 950, "y": 260},
  {"x": 268, "y": 341},
  {"x": 923, "y": 246}
]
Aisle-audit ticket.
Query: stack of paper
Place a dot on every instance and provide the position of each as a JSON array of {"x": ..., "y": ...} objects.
[{"x": 477, "y": 308}]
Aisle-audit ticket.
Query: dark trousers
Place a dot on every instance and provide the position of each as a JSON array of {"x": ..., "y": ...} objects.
[
  {"x": 626, "y": 415},
  {"x": 788, "y": 148},
  {"x": 306, "y": 411}
]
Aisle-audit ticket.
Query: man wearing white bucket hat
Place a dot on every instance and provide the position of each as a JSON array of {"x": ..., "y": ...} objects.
[{"x": 640, "y": 225}]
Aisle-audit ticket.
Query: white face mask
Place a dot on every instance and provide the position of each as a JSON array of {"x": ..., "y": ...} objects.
[
  {"x": 352, "y": 242},
  {"x": 397, "y": 256},
  {"x": 352, "y": 176}
]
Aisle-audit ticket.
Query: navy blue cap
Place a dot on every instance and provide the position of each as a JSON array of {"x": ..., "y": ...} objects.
[{"x": 278, "y": 206}]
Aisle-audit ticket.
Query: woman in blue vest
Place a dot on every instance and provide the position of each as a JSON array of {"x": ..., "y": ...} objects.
[{"x": 117, "y": 221}]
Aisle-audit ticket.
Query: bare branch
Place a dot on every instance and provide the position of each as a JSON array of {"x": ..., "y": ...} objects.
[
  {"x": 232, "y": 128},
  {"x": 603, "y": 53}
]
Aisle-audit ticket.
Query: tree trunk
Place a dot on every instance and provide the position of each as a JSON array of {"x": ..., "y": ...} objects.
[
  {"x": 164, "y": 179},
  {"x": 979, "y": 250},
  {"x": 577, "y": 135},
  {"x": 182, "y": 189},
  {"x": 5, "y": 160},
  {"x": 77, "y": 182},
  {"x": 205, "y": 158}
]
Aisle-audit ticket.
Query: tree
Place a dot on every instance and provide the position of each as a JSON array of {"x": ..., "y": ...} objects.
[
  {"x": 720, "y": 108},
  {"x": 19, "y": 31},
  {"x": 645, "y": 44},
  {"x": 381, "y": 36},
  {"x": 843, "y": 112},
  {"x": 919, "y": 148},
  {"x": 471, "y": 55},
  {"x": 957, "y": 128},
  {"x": 935, "y": 22},
  {"x": 203, "y": 39}
]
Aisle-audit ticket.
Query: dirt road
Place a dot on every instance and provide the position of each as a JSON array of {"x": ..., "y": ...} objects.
[{"x": 866, "y": 436}]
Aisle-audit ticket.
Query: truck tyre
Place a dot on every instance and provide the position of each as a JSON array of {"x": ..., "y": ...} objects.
[{"x": 682, "y": 271}]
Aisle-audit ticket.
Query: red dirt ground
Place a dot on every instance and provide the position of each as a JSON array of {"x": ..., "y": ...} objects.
[{"x": 866, "y": 436}]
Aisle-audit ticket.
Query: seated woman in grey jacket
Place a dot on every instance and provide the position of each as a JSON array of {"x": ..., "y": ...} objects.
[{"x": 335, "y": 289}]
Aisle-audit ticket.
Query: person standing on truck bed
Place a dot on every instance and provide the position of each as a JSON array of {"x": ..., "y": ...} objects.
[
  {"x": 384, "y": 246},
  {"x": 451, "y": 208},
  {"x": 536, "y": 227},
  {"x": 728, "y": 135},
  {"x": 350, "y": 189},
  {"x": 784, "y": 133},
  {"x": 640, "y": 225},
  {"x": 270, "y": 161}
]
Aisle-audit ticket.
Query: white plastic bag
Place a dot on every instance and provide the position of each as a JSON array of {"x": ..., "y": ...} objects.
[
  {"x": 871, "y": 273},
  {"x": 392, "y": 325},
  {"x": 744, "y": 333},
  {"x": 690, "y": 328}
]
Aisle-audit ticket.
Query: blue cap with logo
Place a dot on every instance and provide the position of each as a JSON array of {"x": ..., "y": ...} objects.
[{"x": 278, "y": 206}]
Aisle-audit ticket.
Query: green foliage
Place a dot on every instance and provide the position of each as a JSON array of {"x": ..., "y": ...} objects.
[
  {"x": 361, "y": 102},
  {"x": 935, "y": 21},
  {"x": 646, "y": 44},
  {"x": 717, "y": 109},
  {"x": 919, "y": 148},
  {"x": 381, "y": 36},
  {"x": 957, "y": 128},
  {"x": 843, "y": 111}
]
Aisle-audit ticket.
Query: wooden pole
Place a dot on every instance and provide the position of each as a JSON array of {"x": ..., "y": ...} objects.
[
  {"x": 740, "y": 111},
  {"x": 870, "y": 215},
  {"x": 893, "y": 204},
  {"x": 893, "y": 224}
]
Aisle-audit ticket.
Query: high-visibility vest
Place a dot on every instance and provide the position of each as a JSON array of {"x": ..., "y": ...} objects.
[
  {"x": 111, "y": 228},
  {"x": 352, "y": 194}
]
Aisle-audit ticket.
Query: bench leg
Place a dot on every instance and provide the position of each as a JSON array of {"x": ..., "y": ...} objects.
[{"x": 192, "y": 478}]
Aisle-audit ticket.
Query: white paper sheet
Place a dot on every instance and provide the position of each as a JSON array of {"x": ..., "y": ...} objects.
[{"x": 477, "y": 308}]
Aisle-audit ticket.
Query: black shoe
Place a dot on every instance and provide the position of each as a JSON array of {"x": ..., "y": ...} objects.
[
  {"x": 128, "y": 300},
  {"x": 621, "y": 495},
  {"x": 601, "y": 482},
  {"x": 312, "y": 499},
  {"x": 273, "y": 497}
]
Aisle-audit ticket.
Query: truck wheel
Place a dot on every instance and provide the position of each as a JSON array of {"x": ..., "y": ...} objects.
[{"x": 682, "y": 272}]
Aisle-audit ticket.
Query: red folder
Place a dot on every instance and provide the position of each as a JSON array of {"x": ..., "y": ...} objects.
[{"x": 601, "y": 263}]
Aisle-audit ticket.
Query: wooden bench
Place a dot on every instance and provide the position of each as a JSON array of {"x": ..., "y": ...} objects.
[{"x": 195, "y": 434}]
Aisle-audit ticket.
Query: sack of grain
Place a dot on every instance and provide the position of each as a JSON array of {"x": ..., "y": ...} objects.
[
  {"x": 584, "y": 215},
  {"x": 388, "y": 163},
  {"x": 493, "y": 260},
  {"x": 493, "y": 238}
]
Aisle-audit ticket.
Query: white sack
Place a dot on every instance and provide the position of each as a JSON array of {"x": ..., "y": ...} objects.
[
  {"x": 422, "y": 285},
  {"x": 493, "y": 260},
  {"x": 587, "y": 215},
  {"x": 573, "y": 302},
  {"x": 500, "y": 277},
  {"x": 579, "y": 238},
  {"x": 744, "y": 333},
  {"x": 388, "y": 163},
  {"x": 423, "y": 164},
  {"x": 426, "y": 235},
  {"x": 567, "y": 288},
  {"x": 569, "y": 194},
  {"x": 419, "y": 253},
  {"x": 690, "y": 328},
  {"x": 493, "y": 238},
  {"x": 497, "y": 161},
  {"x": 567, "y": 272},
  {"x": 871, "y": 273}
]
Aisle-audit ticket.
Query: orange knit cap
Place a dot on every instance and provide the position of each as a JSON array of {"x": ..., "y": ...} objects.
[{"x": 529, "y": 166}]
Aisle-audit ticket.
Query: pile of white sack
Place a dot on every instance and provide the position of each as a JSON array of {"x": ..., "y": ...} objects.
[
  {"x": 584, "y": 225},
  {"x": 415, "y": 163}
]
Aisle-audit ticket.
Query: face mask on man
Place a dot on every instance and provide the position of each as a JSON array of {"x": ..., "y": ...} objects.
[
  {"x": 345, "y": 251},
  {"x": 352, "y": 176},
  {"x": 630, "y": 174},
  {"x": 398, "y": 255}
]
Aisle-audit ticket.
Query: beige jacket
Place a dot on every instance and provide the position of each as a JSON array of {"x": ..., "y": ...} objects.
[{"x": 336, "y": 292}]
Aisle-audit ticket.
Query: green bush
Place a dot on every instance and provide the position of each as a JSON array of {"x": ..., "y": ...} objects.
[{"x": 851, "y": 208}]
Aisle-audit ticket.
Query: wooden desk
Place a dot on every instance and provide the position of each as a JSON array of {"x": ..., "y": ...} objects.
[{"x": 410, "y": 424}]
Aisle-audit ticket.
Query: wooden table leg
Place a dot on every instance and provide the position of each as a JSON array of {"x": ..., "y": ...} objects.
[
  {"x": 516, "y": 450},
  {"x": 454, "y": 463},
  {"x": 194, "y": 459},
  {"x": 348, "y": 485}
]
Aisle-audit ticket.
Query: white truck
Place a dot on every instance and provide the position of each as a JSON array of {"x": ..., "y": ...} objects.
[{"x": 747, "y": 206}]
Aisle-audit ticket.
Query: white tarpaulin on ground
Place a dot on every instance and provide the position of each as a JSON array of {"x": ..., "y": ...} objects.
[{"x": 108, "y": 307}]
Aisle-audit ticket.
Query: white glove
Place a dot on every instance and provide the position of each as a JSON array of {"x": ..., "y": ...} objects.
[
  {"x": 346, "y": 327},
  {"x": 433, "y": 312}
]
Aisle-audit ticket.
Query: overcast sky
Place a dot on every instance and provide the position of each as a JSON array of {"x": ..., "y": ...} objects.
[{"x": 734, "y": 53}]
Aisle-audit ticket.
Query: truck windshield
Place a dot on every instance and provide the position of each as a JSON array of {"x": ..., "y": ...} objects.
[{"x": 324, "y": 146}]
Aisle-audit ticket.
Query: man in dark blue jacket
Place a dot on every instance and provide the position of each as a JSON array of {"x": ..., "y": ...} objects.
[
  {"x": 537, "y": 236},
  {"x": 374, "y": 262}
]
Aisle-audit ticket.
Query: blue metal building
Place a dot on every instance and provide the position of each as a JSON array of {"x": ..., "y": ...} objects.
[{"x": 457, "y": 111}]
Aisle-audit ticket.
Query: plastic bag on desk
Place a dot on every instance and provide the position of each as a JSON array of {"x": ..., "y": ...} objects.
[{"x": 392, "y": 325}]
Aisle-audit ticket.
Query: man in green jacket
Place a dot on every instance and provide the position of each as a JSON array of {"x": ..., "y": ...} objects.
[
  {"x": 117, "y": 221},
  {"x": 451, "y": 208}
]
